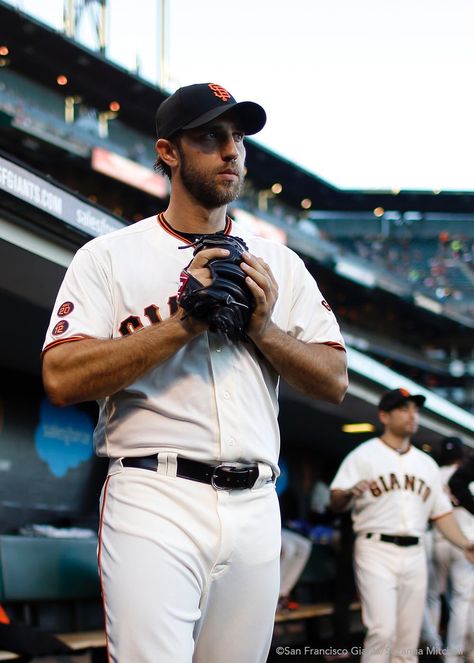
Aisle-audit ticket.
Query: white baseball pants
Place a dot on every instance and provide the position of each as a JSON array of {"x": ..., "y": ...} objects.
[
  {"x": 188, "y": 573},
  {"x": 392, "y": 585},
  {"x": 432, "y": 612},
  {"x": 295, "y": 552},
  {"x": 452, "y": 566}
]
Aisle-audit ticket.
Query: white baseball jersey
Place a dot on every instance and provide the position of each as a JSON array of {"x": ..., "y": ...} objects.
[
  {"x": 406, "y": 489},
  {"x": 213, "y": 399},
  {"x": 464, "y": 518}
]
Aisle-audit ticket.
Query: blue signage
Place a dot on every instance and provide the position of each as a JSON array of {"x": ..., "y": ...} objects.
[{"x": 63, "y": 437}]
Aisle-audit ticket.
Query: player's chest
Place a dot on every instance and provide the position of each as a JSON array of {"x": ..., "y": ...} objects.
[
  {"x": 144, "y": 290},
  {"x": 397, "y": 475}
]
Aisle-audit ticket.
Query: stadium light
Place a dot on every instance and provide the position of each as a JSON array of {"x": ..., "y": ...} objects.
[
  {"x": 306, "y": 203},
  {"x": 379, "y": 211},
  {"x": 62, "y": 80},
  {"x": 277, "y": 188},
  {"x": 114, "y": 106},
  {"x": 4, "y": 50},
  {"x": 358, "y": 428}
]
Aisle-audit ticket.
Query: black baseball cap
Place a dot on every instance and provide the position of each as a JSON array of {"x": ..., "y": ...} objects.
[
  {"x": 451, "y": 449},
  {"x": 194, "y": 105},
  {"x": 396, "y": 397}
]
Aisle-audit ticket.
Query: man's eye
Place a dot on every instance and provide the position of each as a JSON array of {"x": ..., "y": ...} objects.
[{"x": 238, "y": 135}]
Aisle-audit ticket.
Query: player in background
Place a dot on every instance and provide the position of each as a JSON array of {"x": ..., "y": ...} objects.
[
  {"x": 430, "y": 635},
  {"x": 460, "y": 483},
  {"x": 393, "y": 489},
  {"x": 461, "y": 486},
  {"x": 189, "y": 547},
  {"x": 454, "y": 574},
  {"x": 295, "y": 553}
]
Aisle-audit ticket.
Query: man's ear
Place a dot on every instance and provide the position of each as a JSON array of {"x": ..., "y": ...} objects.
[
  {"x": 167, "y": 152},
  {"x": 383, "y": 416}
]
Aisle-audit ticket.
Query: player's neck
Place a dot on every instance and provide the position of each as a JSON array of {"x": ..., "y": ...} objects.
[
  {"x": 188, "y": 217},
  {"x": 395, "y": 442}
]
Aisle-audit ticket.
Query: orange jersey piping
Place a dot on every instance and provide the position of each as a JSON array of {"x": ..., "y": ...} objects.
[
  {"x": 171, "y": 231},
  {"x": 99, "y": 559},
  {"x": 78, "y": 337},
  {"x": 335, "y": 345},
  {"x": 446, "y": 513}
]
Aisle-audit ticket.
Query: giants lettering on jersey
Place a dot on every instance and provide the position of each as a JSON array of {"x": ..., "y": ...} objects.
[
  {"x": 152, "y": 313},
  {"x": 385, "y": 484}
]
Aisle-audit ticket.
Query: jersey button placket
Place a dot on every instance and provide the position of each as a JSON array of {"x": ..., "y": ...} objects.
[
  {"x": 405, "y": 501},
  {"x": 223, "y": 387},
  {"x": 228, "y": 440}
]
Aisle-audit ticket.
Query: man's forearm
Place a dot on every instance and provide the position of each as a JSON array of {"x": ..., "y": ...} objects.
[
  {"x": 91, "y": 369},
  {"x": 314, "y": 369},
  {"x": 341, "y": 500},
  {"x": 449, "y": 528}
]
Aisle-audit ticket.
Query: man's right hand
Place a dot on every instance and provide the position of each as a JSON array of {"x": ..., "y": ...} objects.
[
  {"x": 342, "y": 499},
  {"x": 199, "y": 270},
  {"x": 360, "y": 488},
  {"x": 198, "y": 265}
]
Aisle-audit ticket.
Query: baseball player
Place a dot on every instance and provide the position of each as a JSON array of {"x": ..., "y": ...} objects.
[
  {"x": 393, "y": 489},
  {"x": 451, "y": 566},
  {"x": 189, "y": 545},
  {"x": 460, "y": 483},
  {"x": 295, "y": 553},
  {"x": 461, "y": 487}
]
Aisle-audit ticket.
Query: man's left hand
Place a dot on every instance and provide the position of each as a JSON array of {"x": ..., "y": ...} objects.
[
  {"x": 469, "y": 551},
  {"x": 264, "y": 288}
]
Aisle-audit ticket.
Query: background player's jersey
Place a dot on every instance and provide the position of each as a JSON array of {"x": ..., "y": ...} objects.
[
  {"x": 406, "y": 489},
  {"x": 464, "y": 518},
  {"x": 213, "y": 399}
]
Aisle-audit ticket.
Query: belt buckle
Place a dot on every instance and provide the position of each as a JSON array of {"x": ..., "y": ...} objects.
[{"x": 220, "y": 471}]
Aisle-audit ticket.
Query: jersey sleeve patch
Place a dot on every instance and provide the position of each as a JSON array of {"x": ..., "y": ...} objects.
[
  {"x": 60, "y": 328},
  {"x": 65, "y": 309}
]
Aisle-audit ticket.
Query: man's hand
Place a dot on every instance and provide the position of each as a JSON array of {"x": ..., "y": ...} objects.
[
  {"x": 359, "y": 488},
  {"x": 264, "y": 288},
  {"x": 198, "y": 265},
  {"x": 469, "y": 551},
  {"x": 342, "y": 499},
  {"x": 198, "y": 268}
]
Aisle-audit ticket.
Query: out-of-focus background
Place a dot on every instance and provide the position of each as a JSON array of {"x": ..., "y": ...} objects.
[{"x": 364, "y": 169}]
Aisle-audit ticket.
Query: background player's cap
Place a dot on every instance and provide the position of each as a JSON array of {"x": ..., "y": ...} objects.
[
  {"x": 194, "y": 105},
  {"x": 451, "y": 450},
  {"x": 392, "y": 399}
]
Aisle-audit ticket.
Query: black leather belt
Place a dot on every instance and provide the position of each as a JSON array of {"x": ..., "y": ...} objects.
[
  {"x": 221, "y": 477},
  {"x": 397, "y": 539}
]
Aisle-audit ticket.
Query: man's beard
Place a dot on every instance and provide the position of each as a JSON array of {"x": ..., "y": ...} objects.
[{"x": 204, "y": 188}]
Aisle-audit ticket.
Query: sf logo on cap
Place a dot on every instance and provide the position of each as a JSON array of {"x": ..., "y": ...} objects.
[{"x": 219, "y": 91}]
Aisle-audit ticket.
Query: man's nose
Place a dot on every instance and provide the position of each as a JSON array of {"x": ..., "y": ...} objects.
[{"x": 229, "y": 149}]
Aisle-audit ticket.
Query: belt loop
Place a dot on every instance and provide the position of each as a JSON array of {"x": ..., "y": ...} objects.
[
  {"x": 375, "y": 536},
  {"x": 265, "y": 475},
  {"x": 167, "y": 464},
  {"x": 115, "y": 466}
]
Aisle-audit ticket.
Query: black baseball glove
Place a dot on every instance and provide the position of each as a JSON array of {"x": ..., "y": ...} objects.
[{"x": 227, "y": 304}]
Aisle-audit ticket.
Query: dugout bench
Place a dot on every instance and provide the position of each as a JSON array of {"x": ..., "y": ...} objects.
[{"x": 53, "y": 584}]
